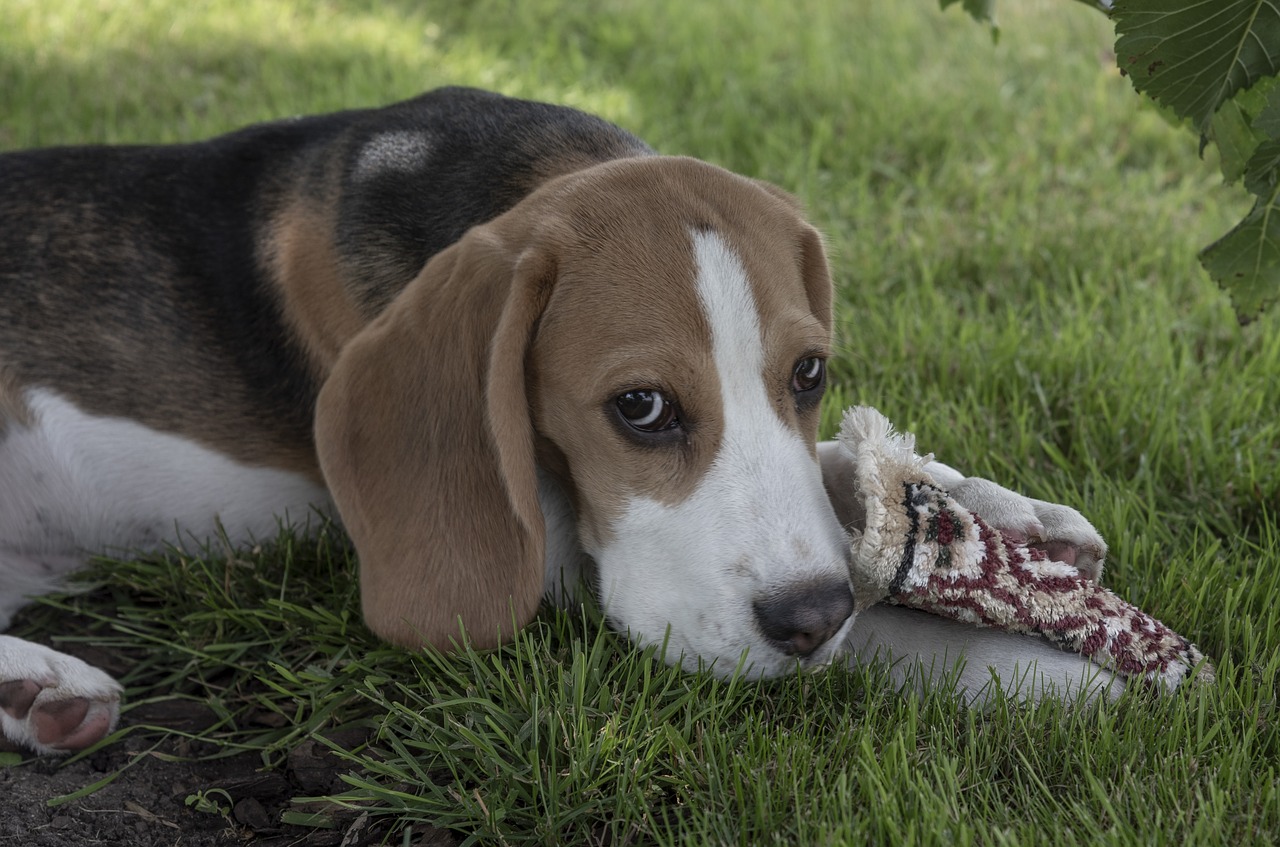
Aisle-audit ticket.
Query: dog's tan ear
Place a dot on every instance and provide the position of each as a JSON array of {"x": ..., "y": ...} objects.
[{"x": 425, "y": 441}]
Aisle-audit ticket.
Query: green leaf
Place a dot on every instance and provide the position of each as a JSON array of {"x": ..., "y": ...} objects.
[
  {"x": 1258, "y": 96},
  {"x": 1246, "y": 261},
  {"x": 315, "y": 820},
  {"x": 1263, "y": 169},
  {"x": 1194, "y": 56},
  {"x": 982, "y": 11},
  {"x": 1232, "y": 130},
  {"x": 1268, "y": 120}
]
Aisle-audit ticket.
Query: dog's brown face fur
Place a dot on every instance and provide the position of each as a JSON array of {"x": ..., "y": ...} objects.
[
  {"x": 527, "y": 332},
  {"x": 627, "y": 271}
]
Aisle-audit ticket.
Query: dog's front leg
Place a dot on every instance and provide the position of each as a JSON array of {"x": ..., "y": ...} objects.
[{"x": 925, "y": 651}]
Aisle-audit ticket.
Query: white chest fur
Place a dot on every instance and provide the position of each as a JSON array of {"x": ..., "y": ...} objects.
[{"x": 72, "y": 485}]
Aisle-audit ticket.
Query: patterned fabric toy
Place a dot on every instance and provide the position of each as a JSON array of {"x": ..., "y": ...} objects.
[{"x": 921, "y": 549}]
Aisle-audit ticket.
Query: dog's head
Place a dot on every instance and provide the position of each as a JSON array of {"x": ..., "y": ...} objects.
[{"x": 652, "y": 333}]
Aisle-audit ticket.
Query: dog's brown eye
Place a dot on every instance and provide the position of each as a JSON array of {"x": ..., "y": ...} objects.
[
  {"x": 647, "y": 411},
  {"x": 808, "y": 374}
]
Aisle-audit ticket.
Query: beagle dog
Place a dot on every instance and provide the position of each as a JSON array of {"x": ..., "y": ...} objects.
[{"x": 509, "y": 347}]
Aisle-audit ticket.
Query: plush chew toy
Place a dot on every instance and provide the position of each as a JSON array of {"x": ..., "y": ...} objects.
[{"x": 921, "y": 549}]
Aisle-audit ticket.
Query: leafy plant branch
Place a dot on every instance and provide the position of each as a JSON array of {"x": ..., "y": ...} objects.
[{"x": 1215, "y": 65}]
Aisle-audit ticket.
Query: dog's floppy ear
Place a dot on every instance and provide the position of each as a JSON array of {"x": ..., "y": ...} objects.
[{"x": 425, "y": 440}]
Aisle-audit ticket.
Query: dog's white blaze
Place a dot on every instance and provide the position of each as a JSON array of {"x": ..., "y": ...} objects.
[
  {"x": 759, "y": 522},
  {"x": 73, "y": 484}
]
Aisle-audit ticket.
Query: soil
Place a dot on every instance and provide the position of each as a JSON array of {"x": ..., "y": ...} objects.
[{"x": 169, "y": 791}]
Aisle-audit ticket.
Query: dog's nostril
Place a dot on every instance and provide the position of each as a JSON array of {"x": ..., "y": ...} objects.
[{"x": 802, "y": 619}]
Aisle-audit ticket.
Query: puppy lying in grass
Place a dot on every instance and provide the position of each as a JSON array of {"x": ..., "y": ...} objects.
[{"x": 507, "y": 345}]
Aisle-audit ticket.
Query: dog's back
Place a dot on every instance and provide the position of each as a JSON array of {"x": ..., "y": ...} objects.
[{"x": 124, "y": 271}]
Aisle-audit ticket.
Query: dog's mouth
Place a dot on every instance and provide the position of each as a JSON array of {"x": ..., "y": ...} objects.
[{"x": 835, "y": 647}]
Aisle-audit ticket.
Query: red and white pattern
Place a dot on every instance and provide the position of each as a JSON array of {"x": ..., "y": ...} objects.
[{"x": 921, "y": 549}]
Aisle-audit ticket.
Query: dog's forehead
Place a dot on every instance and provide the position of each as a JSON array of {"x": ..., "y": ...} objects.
[
  {"x": 627, "y": 239},
  {"x": 674, "y": 276}
]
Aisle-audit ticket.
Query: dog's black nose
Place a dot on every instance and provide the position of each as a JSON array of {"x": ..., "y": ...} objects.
[{"x": 802, "y": 619}]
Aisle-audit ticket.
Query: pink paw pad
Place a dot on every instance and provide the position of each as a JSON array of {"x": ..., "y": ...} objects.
[
  {"x": 70, "y": 724},
  {"x": 51, "y": 702},
  {"x": 1057, "y": 551}
]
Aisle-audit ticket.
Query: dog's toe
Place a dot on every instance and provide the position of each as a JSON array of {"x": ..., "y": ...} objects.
[
  {"x": 1010, "y": 512},
  {"x": 1069, "y": 537}
]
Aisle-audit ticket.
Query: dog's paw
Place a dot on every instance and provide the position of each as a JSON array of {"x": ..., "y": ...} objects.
[
  {"x": 51, "y": 702},
  {"x": 1067, "y": 536},
  {"x": 1060, "y": 531}
]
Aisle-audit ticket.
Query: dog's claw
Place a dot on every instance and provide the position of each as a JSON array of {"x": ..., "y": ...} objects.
[{"x": 1069, "y": 537}]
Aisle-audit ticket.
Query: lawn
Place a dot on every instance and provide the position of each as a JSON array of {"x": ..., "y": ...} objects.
[{"x": 1013, "y": 234}]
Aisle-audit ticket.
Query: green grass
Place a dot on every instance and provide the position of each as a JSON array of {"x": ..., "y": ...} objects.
[{"x": 1013, "y": 235}]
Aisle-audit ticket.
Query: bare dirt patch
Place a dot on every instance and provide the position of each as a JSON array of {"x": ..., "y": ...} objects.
[{"x": 170, "y": 790}]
